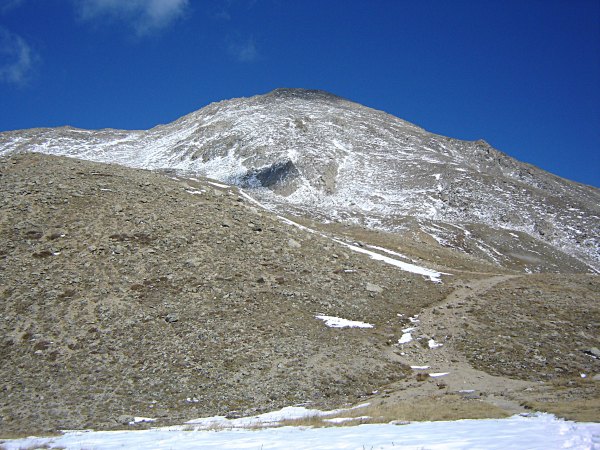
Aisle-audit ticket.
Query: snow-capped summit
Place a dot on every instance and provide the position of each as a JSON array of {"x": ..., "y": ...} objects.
[{"x": 313, "y": 153}]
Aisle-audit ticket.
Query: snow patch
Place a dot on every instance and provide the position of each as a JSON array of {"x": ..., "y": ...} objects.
[
  {"x": 195, "y": 191},
  {"x": 433, "y": 344},
  {"x": 405, "y": 339},
  {"x": 219, "y": 185},
  {"x": 337, "y": 322},
  {"x": 272, "y": 418},
  {"x": 391, "y": 252},
  {"x": 407, "y": 267},
  {"x": 141, "y": 420}
]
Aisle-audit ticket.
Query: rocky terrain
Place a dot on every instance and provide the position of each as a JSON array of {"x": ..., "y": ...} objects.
[
  {"x": 209, "y": 267},
  {"x": 125, "y": 291},
  {"x": 132, "y": 293}
]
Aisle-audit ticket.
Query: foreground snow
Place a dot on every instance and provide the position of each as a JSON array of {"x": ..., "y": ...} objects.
[{"x": 542, "y": 432}]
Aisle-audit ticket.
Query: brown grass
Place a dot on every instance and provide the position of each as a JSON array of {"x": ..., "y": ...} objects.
[
  {"x": 571, "y": 398},
  {"x": 314, "y": 421},
  {"x": 25, "y": 434},
  {"x": 435, "y": 408},
  {"x": 35, "y": 447},
  {"x": 578, "y": 410},
  {"x": 444, "y": 407}
]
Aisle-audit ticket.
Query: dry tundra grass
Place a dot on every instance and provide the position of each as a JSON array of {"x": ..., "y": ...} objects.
[{"x": 444, "y": 407}]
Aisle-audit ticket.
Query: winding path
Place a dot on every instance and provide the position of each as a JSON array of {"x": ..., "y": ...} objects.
[{"x": 442, "y": 322}]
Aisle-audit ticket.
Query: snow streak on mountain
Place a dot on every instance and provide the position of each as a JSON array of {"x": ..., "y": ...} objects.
[{"x": 315, "y": 154}]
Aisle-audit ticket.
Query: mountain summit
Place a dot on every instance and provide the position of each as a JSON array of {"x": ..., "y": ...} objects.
[{"x": 314, "y": 154}]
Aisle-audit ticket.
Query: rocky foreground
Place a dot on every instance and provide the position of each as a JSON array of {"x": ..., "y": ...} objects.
[{"x": 128, "y": 293}]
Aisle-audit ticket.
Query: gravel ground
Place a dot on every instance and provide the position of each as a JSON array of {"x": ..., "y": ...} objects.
[
  {"x": 131, "y": 293},
  {"x": 124, "y": 292}
]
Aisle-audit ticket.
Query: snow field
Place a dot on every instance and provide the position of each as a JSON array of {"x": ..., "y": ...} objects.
[{"x": 535, "y": 432}]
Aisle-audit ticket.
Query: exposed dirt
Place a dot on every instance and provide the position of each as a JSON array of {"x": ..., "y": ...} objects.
[
  {"x": 529, "y": 352},
  {"x": 537, "y": 327}
]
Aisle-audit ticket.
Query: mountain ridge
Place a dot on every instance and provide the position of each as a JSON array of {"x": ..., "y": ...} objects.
[{"x": 315, "y": 154}]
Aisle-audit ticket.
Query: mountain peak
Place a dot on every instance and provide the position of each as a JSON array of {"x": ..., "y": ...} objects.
[
  {"x": 312, "y": 153},
  {"x": 304, "y": 94}
]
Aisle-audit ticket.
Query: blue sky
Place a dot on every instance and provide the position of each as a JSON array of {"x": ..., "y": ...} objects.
[{"x": 523, "y": 75}]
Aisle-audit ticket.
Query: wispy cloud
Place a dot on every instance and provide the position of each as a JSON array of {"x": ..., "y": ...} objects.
[
  {"x": 244, "y": 50},
  {"x": 145, "y": 16},
  {"x": 17, "y": 58},
  {"x": 8, "y": 5}
]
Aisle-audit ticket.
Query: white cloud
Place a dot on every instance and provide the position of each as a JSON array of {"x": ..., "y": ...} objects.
[
  {"x": 17, "y": 58},
  {"x": 145, "y": 16},
  {"x": 244, "y": 51}
]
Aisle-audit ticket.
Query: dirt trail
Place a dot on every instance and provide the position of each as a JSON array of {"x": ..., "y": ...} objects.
[
  {"x": 440, "y": 324},
  {"x": 474, "y": 287},
  {"x": 450, "y": 316},
  {"x": 437, "y": 325}
]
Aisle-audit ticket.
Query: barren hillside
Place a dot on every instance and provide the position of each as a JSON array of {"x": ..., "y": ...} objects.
[{"x": 126, "y": 292}]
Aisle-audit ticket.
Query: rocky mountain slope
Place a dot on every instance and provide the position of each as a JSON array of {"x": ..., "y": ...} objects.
[
  {"x": 318, "y": 155},
  {"x": 125, "y": 291},
  {"x": 350, "y": 256},
  {"x": 132, "y": 293}
]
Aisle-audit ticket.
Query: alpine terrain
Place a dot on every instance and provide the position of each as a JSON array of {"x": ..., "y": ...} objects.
[{"x": 293, "y": 248}]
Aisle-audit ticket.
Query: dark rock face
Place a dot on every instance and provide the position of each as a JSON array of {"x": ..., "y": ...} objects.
[{"x": 277, "y": 176}]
